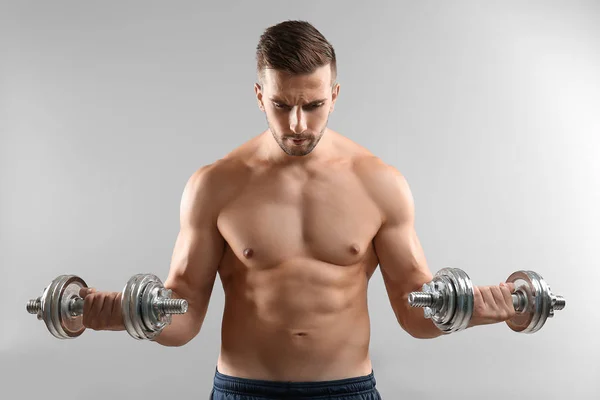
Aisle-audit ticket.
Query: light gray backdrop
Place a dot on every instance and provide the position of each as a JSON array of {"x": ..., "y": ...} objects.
[{"x": 490, "y": 110}]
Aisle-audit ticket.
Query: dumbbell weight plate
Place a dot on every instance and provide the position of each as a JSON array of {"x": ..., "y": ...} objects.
[
  {"x": 55, "y": 307},
  {"x": 464, "y": 298},
  {"x": 153, "y": 319},
  {"x": 443, "y": 315},
  {"x": 537, "y": 307},
  {"x": 136, "y": 306},
  {"x": 129, "y": 306}
]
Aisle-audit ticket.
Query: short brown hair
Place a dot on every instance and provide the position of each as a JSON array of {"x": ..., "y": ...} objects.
[{"x": 296, "y": 47}]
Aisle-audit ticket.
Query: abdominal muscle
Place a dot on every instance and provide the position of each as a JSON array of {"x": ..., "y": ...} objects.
[{"x": 303, "y": 320}]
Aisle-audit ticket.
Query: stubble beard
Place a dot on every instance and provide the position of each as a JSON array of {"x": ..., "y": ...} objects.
[{"x": 297, "y": 151}]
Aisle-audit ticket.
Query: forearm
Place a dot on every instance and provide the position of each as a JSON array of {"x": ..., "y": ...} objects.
[
  {"x": 182, "y": 329},
  {"x": 498, "y": 308},
  {"x": 413, "y": 321}
]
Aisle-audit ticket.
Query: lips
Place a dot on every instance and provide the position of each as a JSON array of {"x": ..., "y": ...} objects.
[{"x": 297, "y": 140}]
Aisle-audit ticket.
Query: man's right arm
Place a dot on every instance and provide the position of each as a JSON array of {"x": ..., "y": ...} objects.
[{"x": 196, "y": 256}]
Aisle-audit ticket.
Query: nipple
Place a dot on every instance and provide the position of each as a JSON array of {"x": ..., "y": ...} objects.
[
  {"x": 248, "y": 252},
  {"x": 354, "y": 249}
]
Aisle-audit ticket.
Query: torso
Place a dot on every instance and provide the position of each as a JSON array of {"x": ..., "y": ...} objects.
[{"x": 295, "y": 270}]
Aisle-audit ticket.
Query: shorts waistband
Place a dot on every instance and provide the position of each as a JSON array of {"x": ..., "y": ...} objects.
[{"x": 258, "y": 387}]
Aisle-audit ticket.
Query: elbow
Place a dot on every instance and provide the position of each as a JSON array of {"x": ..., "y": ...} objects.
[
  {"x": 425, "y": 335},
  {"x": 406, "y": 326},
  {"x": 415, "y": 332},
  {"x": 424, "y": 329},
  {"x": 179, "y": 332},
  {"x": 413, "y": 322},
  {"x": 178, "y": 341},
  {"x": 180, "y": 344}
]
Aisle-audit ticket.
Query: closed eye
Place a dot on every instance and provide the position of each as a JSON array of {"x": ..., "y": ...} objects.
[
  {"x": 308, "y": 107},
  {"x": 314, "y": 106}
]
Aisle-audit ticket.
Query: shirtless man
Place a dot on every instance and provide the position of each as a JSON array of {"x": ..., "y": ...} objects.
[{"x": 295, "y": 222}]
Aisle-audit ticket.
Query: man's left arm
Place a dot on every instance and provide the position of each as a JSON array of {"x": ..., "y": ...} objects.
[{"x": 404, "y": 267}]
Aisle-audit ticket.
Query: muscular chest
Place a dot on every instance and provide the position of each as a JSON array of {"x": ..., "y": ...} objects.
[{"x": 277, "y": 217}]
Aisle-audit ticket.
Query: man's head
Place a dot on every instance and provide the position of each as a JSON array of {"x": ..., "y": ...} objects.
[{"x": 297, "y": 89}]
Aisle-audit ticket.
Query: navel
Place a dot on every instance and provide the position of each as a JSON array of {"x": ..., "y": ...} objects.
[{"x": 248, "y": 252}]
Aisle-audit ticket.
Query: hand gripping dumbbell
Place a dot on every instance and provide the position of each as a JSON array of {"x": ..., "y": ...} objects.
[
  {"x": 146, "y": 306},
  {"x": 448, "y": 301}
]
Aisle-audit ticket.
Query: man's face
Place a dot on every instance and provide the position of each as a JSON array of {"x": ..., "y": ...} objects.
[{"x": 297, "y": 107}]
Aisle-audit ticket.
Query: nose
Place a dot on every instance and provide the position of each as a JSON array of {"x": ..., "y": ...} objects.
[{"x": 298, "y": 121}]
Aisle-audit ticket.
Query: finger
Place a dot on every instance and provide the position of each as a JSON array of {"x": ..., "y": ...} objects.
[
  {"x": 85, "y": 291},
  {"x": 506, "y": 292},
  {"x": 116, "y": 311},
  {"x": 511, "y": 286},
  {"x": 106, "y": 312},
  {"x": 88, "y": 302},
  {"x": 498, "y": 297},
  {"x": 477, "y": 297},
  {"x": 488, "y": 297},
  {"x": 505, "y": 307},
  {"x": 95, "y": 311}
]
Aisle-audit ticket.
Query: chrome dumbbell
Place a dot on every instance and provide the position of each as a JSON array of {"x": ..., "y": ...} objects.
[
  {"x": 146, "y": 306},
  {"x": 448, "y": 301}
]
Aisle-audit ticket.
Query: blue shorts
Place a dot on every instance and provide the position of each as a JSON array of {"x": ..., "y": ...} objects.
[{"x": 231, "y": 388}]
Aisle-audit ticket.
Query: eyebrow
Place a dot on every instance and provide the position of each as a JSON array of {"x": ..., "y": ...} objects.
[{"x": 275, "y": 99}]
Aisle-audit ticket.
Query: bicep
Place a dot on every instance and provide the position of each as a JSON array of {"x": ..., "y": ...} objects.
[
  {"x": 401, "y": 257},
  {"x": 194, "y": 265},
  {"x": 199, "y": 246},
  {"x": 401, "y": 260}
]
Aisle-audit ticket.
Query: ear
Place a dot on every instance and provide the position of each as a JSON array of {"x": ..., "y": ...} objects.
[
  {"x": 334, "y": 96},
  {"x": 259, "y": 96}
]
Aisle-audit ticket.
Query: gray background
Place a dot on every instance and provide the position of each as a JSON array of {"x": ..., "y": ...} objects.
[{"x": 490, "y": 110}]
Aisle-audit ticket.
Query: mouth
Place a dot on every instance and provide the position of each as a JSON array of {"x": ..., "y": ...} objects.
[{"x": 298, "y": 142}]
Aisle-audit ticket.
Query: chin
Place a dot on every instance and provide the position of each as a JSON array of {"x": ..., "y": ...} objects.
[
  {"x": 297, "y": 153},
  {"x": 304, "y": 150}
]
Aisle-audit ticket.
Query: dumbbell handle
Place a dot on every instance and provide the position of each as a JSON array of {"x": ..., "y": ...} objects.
[
  {"x": 167, "y": 306},
  {"x": 519, "y": 299}
]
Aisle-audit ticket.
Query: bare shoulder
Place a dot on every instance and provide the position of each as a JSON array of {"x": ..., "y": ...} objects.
[
  {"x": 211, "y": 186},
  {"x": 375, "y": 174},
  {"x": 218, "y": 182},
  {"x": 386, "y": 185}
]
